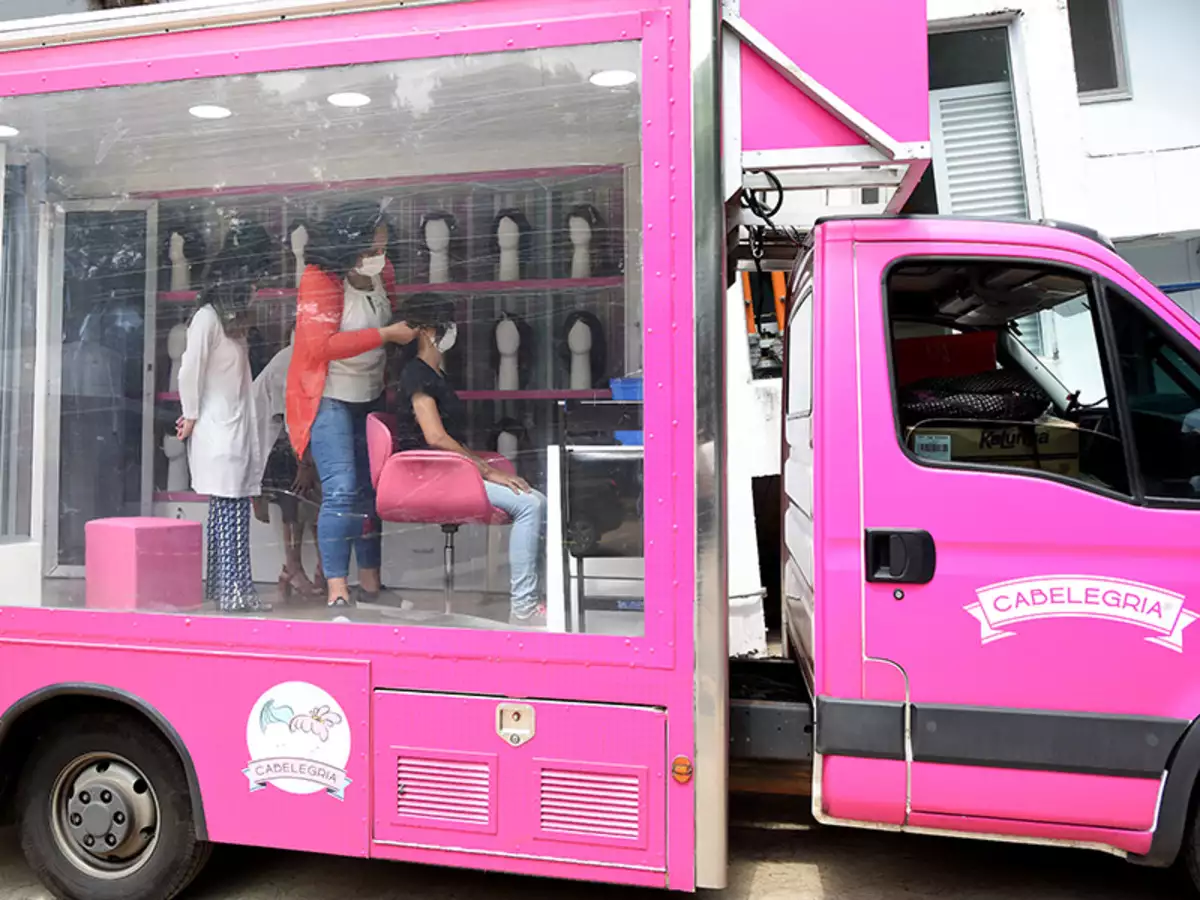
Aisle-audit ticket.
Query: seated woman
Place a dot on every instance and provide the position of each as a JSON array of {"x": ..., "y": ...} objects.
[{"x": 430, "y": 415}]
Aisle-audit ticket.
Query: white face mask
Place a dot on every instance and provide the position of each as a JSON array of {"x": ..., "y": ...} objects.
[
  {"x": 371, "y": 265},
  {"x": 448, "y": 338}
]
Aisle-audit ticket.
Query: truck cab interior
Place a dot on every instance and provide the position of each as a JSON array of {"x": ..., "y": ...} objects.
[{"x": 1000, "y": 363}]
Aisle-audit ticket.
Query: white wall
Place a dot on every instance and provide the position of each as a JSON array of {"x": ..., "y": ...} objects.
[
  {"x": 1164, "y": 69},
  {"x": 1142, "y": 154},
  {"x": 1044, "y": 88}
]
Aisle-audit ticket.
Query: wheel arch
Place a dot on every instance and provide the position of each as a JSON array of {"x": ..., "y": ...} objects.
[
  {"x": 1176, "y": 803},
  {"x": 17, "y": 725}
]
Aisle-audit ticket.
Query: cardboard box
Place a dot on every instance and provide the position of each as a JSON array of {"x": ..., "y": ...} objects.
[{"x": 1050, "y": 448}]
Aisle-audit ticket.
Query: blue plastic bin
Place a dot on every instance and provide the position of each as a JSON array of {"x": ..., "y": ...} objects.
[{"x": 625, "y": 388}]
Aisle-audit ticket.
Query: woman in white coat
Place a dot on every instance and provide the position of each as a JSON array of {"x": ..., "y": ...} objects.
[{"x": 218, "y": 422}]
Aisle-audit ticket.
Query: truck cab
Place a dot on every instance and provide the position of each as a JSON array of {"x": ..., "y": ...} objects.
[{"x": 991, "y": 496}]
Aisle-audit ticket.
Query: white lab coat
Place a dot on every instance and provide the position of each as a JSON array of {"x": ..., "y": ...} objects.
[
  {"x": 215, "y": 389},
  {"x": 270, "y": 401}
]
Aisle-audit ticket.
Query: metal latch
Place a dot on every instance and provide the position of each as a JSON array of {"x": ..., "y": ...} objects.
[{"x": 515, "y": 723}]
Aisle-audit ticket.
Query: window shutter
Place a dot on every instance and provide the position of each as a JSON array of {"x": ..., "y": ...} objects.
[{"x": 977, "y": 152}]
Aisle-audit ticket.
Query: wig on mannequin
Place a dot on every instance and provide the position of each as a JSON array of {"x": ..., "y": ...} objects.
[
  {"x": 195, "y": 249},
  {"x": 599, "y": 351},
  {"x": 524, "y": 352},
  {"x": 423, "y": 251},
  {"x": 524, "y": 248},
  {"x": 599, "y": 245}
]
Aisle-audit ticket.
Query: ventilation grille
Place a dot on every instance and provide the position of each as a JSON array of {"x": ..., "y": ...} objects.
[
  {"x": 591, "y": 805},
  {"x": 445, "y": 791}
]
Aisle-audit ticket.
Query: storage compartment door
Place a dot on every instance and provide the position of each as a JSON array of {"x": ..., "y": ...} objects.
[{"x": 528, "y": 778}]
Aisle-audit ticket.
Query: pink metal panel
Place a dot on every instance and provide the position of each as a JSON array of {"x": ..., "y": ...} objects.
[
  {"x": 1135, "y": 842},
  {"x": 871, "y": 53},
  {"x": 1000, "y": 526},
  {"x": 263, "y": 783},
  {"x": 863, "y": 790},
  {"x": 589, "y": 786},
  {"x": 1073, "y": 799}
]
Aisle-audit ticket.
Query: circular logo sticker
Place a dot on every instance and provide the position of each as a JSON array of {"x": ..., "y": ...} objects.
[{"x": 299, "y": 741}]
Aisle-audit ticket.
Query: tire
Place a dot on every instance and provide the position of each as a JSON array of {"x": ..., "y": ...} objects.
[{"x": 131, "y": 769}]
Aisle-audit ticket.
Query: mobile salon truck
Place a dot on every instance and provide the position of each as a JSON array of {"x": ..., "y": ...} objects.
[{"x": 988, "y": 552}]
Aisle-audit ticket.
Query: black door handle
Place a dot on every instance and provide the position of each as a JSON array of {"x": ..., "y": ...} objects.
[{"x": 900, "y": 557}]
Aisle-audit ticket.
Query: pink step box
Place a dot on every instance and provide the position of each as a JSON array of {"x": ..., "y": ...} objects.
[{"x": 144, "y": 563}]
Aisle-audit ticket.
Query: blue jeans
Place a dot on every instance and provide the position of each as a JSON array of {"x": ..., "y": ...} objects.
[
  {"x": 347, "y": 519},
  {"x": 528, "y": 514}
]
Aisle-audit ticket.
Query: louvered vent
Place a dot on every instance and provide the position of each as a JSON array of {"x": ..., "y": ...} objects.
[
  {"x": 445, "y": 791},
  {"x": 589, "y": 804},
  {"x": 980, "y": 149}
]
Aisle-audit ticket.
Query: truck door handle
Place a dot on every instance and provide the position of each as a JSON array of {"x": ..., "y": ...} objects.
[{"x": 900, "y": 557}]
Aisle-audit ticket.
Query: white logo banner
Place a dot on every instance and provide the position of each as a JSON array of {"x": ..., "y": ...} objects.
[{"x": 1082, "y": 597}]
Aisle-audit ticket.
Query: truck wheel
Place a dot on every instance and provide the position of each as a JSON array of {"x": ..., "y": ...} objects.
[{"x": 105, "y": 813}]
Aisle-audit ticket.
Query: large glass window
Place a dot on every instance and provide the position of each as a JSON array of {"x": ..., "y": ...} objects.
[
  {"x": 288, "y": 312},
  {"x": 971, "y": 390},
  {"x": 1162, "y": 388}
]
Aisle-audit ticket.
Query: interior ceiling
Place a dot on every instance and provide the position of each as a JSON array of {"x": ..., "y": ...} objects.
[{"x": 466, "y": 113}]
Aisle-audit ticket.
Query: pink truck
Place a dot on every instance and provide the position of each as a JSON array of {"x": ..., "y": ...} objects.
[{"x": 985, "y": 540}]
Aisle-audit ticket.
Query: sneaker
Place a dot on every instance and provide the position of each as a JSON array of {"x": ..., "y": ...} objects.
[{"x": 535, "y": 619}]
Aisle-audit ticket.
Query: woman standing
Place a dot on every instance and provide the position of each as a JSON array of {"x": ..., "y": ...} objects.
[
  {"x": 336, "y": 379},
  {"x": 218, "y": 424}
]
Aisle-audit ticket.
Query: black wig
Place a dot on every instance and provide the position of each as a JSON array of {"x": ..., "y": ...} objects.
[
  {"x": 335, "y": 245},
  {"x": 524, "y": 351},
  {"x": 524, "y": 245},
  {"x": 229, "y": 287},
  {"x": 440, "y": 215},
  {"x": 600, "y": 239},
  {"x": 599, "y": 354},
  {"x": 195, "y": 249}
]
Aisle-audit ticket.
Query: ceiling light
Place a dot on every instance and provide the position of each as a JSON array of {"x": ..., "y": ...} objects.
[
  {"x": 205, "y": 111},
  {"x": 611, "y": 78},
  {"x": 349, "y": 99},
  {"x": 8, "y": 131}
]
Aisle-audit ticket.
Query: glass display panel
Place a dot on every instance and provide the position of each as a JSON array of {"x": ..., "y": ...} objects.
[{"x": 365, "y": 336}]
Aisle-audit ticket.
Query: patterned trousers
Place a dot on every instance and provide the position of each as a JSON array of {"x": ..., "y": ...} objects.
[{"x": 230, "y": 582}]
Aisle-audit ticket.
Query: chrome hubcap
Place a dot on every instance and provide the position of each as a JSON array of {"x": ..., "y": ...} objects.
[{"x": 105, "y": 815}]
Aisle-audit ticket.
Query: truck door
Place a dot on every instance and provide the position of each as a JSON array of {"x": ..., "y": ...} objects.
[{"x": 1031, "y": 507}]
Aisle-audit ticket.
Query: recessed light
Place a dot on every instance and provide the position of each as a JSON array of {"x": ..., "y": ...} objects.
[
  {"x": 206, "y": 111},
  {"x": 8, "y": 131},
  {"x": 348, "y": 99},
  {"x": 613, "y": 78}
]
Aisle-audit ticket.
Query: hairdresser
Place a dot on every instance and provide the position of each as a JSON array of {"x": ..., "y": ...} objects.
[{"x": 336, "y": 380}]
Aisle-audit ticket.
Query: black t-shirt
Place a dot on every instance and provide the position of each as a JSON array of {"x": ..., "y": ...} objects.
[{"x": 419, "y": 377}]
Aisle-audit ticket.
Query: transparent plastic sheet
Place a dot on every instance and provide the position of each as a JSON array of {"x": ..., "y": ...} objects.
[{"x": 508, "y": 190}]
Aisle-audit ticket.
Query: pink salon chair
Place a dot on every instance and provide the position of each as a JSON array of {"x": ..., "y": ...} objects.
[{"x": 430, "y": 487}]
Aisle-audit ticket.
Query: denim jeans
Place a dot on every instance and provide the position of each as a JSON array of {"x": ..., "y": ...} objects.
[
  {"x": 528, "y": 514},
  {"x": 347, "y": 519}
]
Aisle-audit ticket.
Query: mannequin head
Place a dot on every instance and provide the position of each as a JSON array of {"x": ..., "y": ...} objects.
[
  {"x": 194, "y": 245},
  {"x": 510, "y": 428},
  {"x": 585, "y": 227},
  {"x": 248, "y": 248},
  {"x": 572, "y": 338},
  {"x": 353, "y": 238},
  {"x": 512, "y": 231},
  {"x": 506, "y": 328},
  {"x": 438, "y": 230},
  {"x": 177, "y": 341}
]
